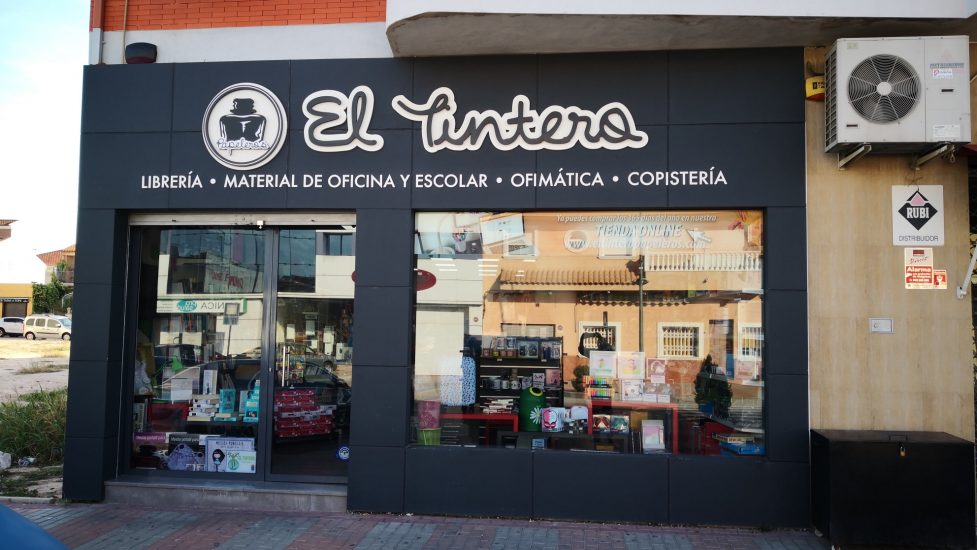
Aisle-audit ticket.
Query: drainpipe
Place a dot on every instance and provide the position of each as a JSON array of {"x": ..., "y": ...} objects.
[{"x": 96, "y": 32}]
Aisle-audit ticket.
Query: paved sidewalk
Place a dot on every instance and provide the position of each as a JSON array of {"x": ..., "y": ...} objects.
[{"x": 108, "y": 526}]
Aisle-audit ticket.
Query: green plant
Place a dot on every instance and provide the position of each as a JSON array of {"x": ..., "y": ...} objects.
[
  {"x": 47, "y": 297},
  {"x": 578, "y": 373},
  {"x": 712, "y": 387},
  {"x": 33, "y": 425}
]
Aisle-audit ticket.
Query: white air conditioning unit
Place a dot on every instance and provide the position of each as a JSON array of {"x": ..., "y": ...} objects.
[{"x": 900, "y": 95}]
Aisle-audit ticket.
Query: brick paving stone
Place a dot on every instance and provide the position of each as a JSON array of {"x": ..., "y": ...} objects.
[
  {"x": 102, "y": 519},
  {"x": 526, "y": 538},
  {"x": 269, "y": 533},
  {"x": 208, "y": 532},
  {"x": 396, "y": 534},
  {"x": 49, "y": 518},
  {"x": 656, "y": 541},
  {"x": 119, "y": 526},
  {"x": 142, "y": 532}
]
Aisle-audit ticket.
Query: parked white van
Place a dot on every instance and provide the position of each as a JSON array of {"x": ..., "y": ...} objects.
[{"x": 47, "y": 326}]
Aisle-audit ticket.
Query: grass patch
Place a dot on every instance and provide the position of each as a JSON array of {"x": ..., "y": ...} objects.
[
  {"x": 37, "y": 368},
  {"x": 34, "y": 424},
  {"x": 19, "y": 483}
]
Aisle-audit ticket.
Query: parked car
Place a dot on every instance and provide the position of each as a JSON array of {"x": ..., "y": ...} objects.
[
  {"x": 47, "y": 326},
  {"x": 299, "y": 354},
  {"x": 11, "y": 326}
]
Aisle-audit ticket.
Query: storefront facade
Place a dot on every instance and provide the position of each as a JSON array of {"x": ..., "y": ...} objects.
[{"x": 353, "y": 243}]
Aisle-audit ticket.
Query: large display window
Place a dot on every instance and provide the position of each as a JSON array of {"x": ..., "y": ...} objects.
[
  {"x": 243, "y": 354},
  {"x": 629, "y": 332}
]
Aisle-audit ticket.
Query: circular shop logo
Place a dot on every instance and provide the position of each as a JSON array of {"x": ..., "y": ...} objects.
[
  {"x": 186, "y": 306},
  {"x": 244, "y": 126},
  {"x": 576, "y": 240},
  {"x": 343, "y": 453}
]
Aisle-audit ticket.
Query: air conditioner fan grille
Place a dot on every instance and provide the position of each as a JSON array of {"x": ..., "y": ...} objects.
[{"x": 883, "y": 88}]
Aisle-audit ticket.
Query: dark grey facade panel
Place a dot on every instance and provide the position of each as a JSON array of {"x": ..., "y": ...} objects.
[
  {"x": 98, "y": 335},
  {"x": 128, "y": 98},
  {"x": 707, "y": 490},
  {"x": 385, "y": 250},
  {"x": 626, "y": 487},
  {"x": 100, "y": 234},
  {"x": 469, "y": 482},
  {"x": 379, "y": 474},
  {"x": 89, "y": 461},
  {"x": 787, "y": 424},
  {"x": 785, "y": 330},
  {"x": 787, "y": 243},
  {"x": 380, "y": 317},
  {"x": 763, "y": 165},
  {"x": 381, "y": 406},
  {"x": 735, "y": 86},
  {"x": 93, "y": 403},
  {"x": 112, "y": 165}
]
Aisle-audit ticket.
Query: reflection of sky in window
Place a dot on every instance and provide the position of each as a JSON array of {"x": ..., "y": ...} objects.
[{"x": 296, "y": 260}]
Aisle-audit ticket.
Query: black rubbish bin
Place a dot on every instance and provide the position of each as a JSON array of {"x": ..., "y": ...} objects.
[{"x": 893, "y": 488}]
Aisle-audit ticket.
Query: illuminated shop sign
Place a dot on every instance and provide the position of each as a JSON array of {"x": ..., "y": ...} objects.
[{"x": 245, "y": 127}]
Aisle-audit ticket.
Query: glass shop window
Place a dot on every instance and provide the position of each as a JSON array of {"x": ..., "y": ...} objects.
[
  {"x": 198, "y": 349},
  {"x": 629, "y": 332}
]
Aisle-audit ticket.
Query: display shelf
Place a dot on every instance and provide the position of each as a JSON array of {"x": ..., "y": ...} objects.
[
  {"x": 672, "y": 408},
  {"x": 504, "y": 364},
  {"x": 756, "y": 383},
  {"x": 726, "y": 422}
]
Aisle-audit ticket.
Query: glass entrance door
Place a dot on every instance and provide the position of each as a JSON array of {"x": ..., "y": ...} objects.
[{"x": 313, "y": 343}]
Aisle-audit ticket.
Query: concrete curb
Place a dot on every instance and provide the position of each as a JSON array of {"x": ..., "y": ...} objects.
[{"x": 28, "y": 500}]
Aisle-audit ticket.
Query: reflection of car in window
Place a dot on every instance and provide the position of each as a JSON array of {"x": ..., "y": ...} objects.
[{"x": 298, "y": 353}]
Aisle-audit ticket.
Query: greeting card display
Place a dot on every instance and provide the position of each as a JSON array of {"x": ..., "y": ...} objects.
[
  {"x": 603, "y": 363},
  {"x": 631, "y": 365},
  {"x": 631, "y": 390},
  {"x": 655, "y": 370}
]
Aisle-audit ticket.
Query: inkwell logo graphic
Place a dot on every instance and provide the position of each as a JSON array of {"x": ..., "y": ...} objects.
[
  {"x": 918, "y": 210},
  {"x": 244, "y": 126}
]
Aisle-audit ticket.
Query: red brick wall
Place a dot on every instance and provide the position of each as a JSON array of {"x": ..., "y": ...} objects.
[{"x": 193, "y": 14}]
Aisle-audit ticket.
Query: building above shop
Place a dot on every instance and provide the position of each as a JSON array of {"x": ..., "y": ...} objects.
[
  {"x": 196, "y": 31},
  {"x": 477, "y": 27}
]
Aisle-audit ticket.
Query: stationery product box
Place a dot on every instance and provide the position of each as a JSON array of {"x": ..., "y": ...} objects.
[
  {"x": 652, "y": 436},
  {"x": 240, "y": 462},
  {"x": 620, "y": 424},
  {"x": 602, "y": 423}
]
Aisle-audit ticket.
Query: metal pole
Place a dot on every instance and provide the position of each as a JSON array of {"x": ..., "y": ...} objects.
[{"x": 641, "y": 303}]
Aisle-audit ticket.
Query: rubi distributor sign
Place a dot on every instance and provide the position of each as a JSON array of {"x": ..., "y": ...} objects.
[{"x": 917, "y": 215}]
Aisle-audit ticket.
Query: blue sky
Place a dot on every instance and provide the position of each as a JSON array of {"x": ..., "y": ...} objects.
[{"x": 43, "y": 49}]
